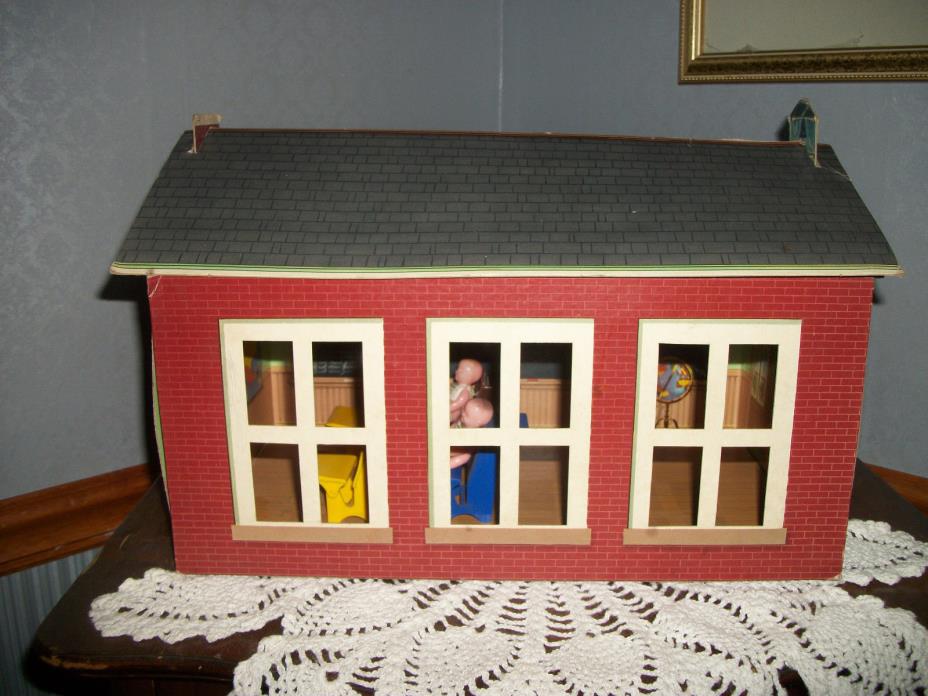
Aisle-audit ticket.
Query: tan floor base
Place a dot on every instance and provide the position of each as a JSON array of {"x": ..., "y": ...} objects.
[{"x": 675, "y": 488}]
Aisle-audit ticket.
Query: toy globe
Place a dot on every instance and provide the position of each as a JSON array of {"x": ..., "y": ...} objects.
[{"x": 674, "y": 381}]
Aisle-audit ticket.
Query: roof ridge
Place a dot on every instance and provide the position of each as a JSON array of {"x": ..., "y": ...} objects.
[{"x": 514, "y": 134}]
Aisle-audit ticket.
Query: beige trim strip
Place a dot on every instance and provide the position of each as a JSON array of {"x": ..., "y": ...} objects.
[
  {"x": 693, "y": 536},
  {"x": 335, "y": 534},
  {"x": 542, "y": 536},
  {"x": 508, "y": 272}
]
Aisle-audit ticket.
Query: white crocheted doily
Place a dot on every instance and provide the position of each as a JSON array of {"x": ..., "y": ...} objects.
[{"x": 343, "y": 636}]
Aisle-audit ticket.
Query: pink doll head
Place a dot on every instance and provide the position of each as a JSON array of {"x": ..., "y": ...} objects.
[
  {"x": 477, "y": 413},
  {"x": 469, "y": 371}
]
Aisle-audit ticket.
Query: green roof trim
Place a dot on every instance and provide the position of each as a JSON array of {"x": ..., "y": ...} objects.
[{"x": 502, "y": 271}]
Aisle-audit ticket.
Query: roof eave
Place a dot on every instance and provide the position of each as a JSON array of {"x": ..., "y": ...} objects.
[{"x": 342, "y": 273}]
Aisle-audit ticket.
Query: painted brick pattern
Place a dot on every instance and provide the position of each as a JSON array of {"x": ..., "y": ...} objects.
[{"x": 835, "y": 314}]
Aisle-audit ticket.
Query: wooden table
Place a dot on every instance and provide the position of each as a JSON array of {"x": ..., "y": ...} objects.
[{"x": 69, "y": 654}]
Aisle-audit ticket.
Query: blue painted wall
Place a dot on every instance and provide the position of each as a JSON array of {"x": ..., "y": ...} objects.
[{"x": 93, "y": 94}]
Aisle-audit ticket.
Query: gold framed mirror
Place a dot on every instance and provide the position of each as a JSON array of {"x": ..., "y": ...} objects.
[{"x": 803, "y": 40}]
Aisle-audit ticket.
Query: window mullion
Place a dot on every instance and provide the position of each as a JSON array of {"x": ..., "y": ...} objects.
[
  {"x": 716, "y": 383},
  {"x": 508, "y": 419},
  {"x": 709, "y": 485},
  {"x": 243, "y": 491},
  {"x": 243, "y": 496},
  {"x": 309, "y": 481},
  {"x": 643, "y": 448},
  {"x": 578, "y": 457},
  {"x": 303, "y": 385},
  {"x": 439, "y": 432},
  {"x": 781, "y": 426},
  {"x": 271, "y": 434},
  {"x": 303, "y": 388},
  {"x": 508, "y": 483}
]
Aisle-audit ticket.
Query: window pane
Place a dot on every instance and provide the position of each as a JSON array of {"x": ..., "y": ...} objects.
[
  {"x": 544, "y": 388},
  {"x": 475, "y": 485},
  {"x": 752, "y": 372},
  {"x": 338, "y": 384},
  {"x": 742, "y": 485},
  {"x": 681, "y": 385},
  {"x": 275, "y": 471},
  {"x": 474, "y": 388},
  {"x": 343, "y": 483},
  {"x": 543, "y": 485},
  {"x": 675, "y": 486},
  {"x": 269, "y": 382}
]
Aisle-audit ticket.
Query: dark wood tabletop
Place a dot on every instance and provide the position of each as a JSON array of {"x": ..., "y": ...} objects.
[{"x": 69, "y": 655}]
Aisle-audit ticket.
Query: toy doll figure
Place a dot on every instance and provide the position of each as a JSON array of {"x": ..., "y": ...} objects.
[
  {"x": 466, "y": 410},
  {"x": 463, "y": 387},
  {"x": 476, "y": 413},
  {"x": 460, "y": 395}
]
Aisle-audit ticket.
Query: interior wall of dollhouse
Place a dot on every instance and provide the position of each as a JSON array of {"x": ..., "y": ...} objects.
[{"x": 93, "y": 95}]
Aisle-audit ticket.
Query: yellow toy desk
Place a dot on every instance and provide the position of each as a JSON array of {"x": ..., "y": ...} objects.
[{"x": 342, "y": 475}]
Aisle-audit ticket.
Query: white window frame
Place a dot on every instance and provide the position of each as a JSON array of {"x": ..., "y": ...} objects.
[
  {"x": 305, "y": 434},
  {"x": 719, "y": 335},
  {"x": 509, "y": 334}
]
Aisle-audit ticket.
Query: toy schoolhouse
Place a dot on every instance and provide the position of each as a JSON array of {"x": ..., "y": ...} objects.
[{"x": 522, "y": 356}]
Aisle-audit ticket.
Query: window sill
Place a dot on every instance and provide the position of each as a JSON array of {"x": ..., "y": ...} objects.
[
  {"x": 542, "y": 536},
  {"x": 329, "y": 534},
  {"x": 692, "y": 536}
]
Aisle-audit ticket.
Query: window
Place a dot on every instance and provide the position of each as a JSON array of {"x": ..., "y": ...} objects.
[
  {"x": 306, "y": 423},
  {"x": 509, "y": 430},
  {"x": 711, "y": 451}
]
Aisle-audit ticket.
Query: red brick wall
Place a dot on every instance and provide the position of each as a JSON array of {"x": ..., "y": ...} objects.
[{"x": 835, "y": 313}]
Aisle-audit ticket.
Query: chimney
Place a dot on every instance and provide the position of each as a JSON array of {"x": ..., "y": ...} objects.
[
  {"x": 803, "y": 126},
  {"x": 202, "y": 125}
]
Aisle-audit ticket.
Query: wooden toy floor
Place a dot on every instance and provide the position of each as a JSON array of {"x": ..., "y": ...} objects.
[
  {"x": 675, "y": 489},
  {"x": 542, "y": 491}
]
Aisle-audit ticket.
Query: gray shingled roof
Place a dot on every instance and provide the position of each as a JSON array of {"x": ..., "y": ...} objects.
[{"x": 314, "y": 201}]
